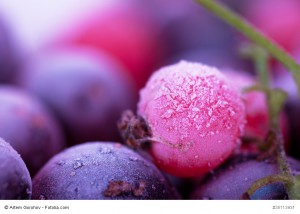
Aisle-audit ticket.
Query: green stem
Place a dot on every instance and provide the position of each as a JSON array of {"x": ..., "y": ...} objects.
[
  {"x": 254, "y": 35},
  {"x": 275, "y": 99},
  {"x": 261, "y": 61},
  {"x": 281, "y": 156},
  {"x": 263, "y": 182}
]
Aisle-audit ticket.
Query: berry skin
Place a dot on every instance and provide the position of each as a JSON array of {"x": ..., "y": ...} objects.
[
  {"x": 29, "y": 127},
  {"x": 231, "y": 180},
  {"x": 14, "y": 177},
  {"x": 100, "y": 170},
  {"x": 87, "y": 90},
  {"x": 195, "y": 116}
]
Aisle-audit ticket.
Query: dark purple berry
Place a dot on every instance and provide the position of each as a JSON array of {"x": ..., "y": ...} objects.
[
  {"x": 100, "y": 170},
  {"x": 15, "y": 181},
  {"x": 87, "y": 91},
  {"x": 9, "y": 60},
  {"x": 233, "y": 179}
]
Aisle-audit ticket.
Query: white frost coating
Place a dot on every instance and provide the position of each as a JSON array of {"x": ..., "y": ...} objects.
[
  {"x": 191, "y": 102},
  {"x": 190, "y": 95}
]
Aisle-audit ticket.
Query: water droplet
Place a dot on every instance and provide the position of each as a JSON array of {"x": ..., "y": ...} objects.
[
  {"x": 77, "y": 165},
  {"x": 196, "y": 156},
  {"x": 228, "y": 125},
  {"x": 153, "y": 187},
  {"x": 209, "y": 164},
  {"x": 198, "y": 127},
  {"x": 209, "y": 112},
  {"x": 193, "y": 96},
  {"x": 42, "y": 197},
  {"x": 246, "y": 179},
  {"x": 133, "y": 158},
  {"x": 28, "y": 191},
  {"x": 168, "y": 113},
  {"x": 105, "y": 151},
  {"x": 73, "y": 173},
  {"x": 60, "y": 163},
  {"x": 195, "y": 109}
]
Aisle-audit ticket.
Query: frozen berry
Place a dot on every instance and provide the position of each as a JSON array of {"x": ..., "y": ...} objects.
[
  {"x": 15, "y": 181},
  {"x": 195, "y": 117},
  {"x": 29, "y": 127},
  {"x": 100, "y": 170}
]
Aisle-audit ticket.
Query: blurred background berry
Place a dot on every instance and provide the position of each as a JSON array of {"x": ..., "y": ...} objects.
[{"x": 85, "y": 62}]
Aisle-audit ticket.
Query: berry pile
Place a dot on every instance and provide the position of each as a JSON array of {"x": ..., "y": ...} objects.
[{"x": 137, "y": 101}]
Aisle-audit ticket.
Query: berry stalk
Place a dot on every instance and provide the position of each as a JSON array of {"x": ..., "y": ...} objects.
[
  {"x": 254, "y": 35},
  {"x": 275, "y": 99}
]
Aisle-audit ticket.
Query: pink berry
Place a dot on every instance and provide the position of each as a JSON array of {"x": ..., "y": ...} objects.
[
  {"x": 195, "y": 117},
  {"x": 278, "y": 19},
  {"x": 125, "y": 31},
  {"x": 257, "y": 116}
]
